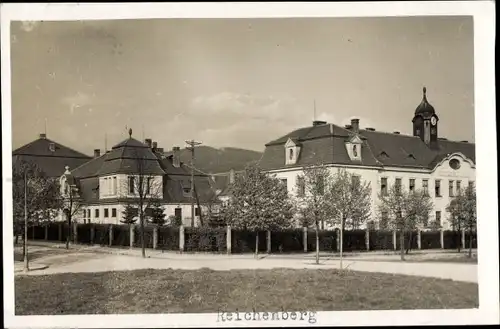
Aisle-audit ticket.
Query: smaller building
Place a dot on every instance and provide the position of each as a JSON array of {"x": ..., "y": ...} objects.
[
  {"x": 110, "y": 181},
  {"x": 50, "y": 156}
]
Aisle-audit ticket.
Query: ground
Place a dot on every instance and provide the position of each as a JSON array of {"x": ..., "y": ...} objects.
[{"x": 89, "y": 280}]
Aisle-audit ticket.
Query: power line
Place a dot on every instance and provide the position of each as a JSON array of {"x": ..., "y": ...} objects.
[{"x": 192, "y": 144}]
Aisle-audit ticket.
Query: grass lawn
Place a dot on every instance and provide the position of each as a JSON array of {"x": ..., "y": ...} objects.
[{"x": 176, "y": 291}]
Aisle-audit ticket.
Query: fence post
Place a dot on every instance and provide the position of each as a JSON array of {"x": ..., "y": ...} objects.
[
  {"x": 131, "y": 235},
  {"x": 228, "y": 240},
  {"x": 75, "y": 232},
  {"x": 463, "y": 239},
  {"x": 419, "y": 239},
  {"x": 268, "y": 240},
  {"x": 59, "y": 232},
  {"x": 181, "y": 238},
  {"x": 111, "y": 235},
  {"x": 304, "y": 238},
  {"x": 155, "y": 237},
  {"x": 441, "y": 238},
  {"x": 92, "y": 234},
  {"x": 394, "y": 240},
  {"x": 367, "y": 239},
  {"x": 46, "y": 237}
]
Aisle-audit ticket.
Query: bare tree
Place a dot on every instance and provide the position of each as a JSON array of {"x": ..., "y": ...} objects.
[
  {"x": 33, "y": 194},
  {"x": 462, "y": 210},
  {"x": 404, "y": 210},
  {"x": 143, "y": 188},
  {"x": 350, "y": 201},
  {"x": 312, "y": 199}
]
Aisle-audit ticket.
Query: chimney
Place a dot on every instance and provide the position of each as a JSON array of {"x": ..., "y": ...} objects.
[
  {"x": 355, "y": 125},
  {"x": 155, "y": 145},
  {"x": 176, "y": 158},
  {"x": 348, "y": 126},
  {"x": 231, "y": 176},
  {"x": 43, "y": 136},
  {"x": 148, "y": 141},
  {"x": 397, "y": 133},
  {"x": 318, "y": 123},
  {"x": 159, "y": 150},
  {"x": 97, "y": 153}
]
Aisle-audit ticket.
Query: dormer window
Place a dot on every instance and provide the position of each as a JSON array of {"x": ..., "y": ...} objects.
[
  {"x": 292, "y": 149},
  {"x": 353, "y": 147},
  {"x": 52, "y": 147}
]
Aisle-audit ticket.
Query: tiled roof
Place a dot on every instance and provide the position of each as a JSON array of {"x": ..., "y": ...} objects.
[
  {"x": 326, "y": 144},
  {"x": 50, "y": 156}
]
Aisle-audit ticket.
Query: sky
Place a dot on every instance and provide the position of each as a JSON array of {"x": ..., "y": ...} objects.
[{"x": 236, "y": 82}]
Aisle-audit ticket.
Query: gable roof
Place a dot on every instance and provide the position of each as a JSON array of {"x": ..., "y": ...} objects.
[
  {"x": 326, "y": 144},
  {"x": 50, "y": 156}
]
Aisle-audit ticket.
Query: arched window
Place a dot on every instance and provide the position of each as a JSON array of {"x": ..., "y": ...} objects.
[
  {"x": 290, "y": 152},
  {"x": 355, "y": 150}
]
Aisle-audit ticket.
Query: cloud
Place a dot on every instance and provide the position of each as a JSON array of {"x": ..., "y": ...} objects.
[{"x": 29, "y": 26}]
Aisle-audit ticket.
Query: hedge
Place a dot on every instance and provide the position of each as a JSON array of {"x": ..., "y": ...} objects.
[
  {"x": 168, "y": 238},
  {"x": 83, "y": 233},
  {"x": 101, "y": 234},
  {"x": 354, "y": 240},
  {"x": 327, "y": 240},
  {"x": 205, "y": 239},
  {"x": 468, "y": 238},
  {"x": 53, "y": 232},
  {"x": 243, "y": 241},
  {"x": 430, "y": 239},
  {"x": 381, "y": 240},
  {"x": 148, "y": 236},
  {"x": 121, "y": 235},
  {"x": 290, "y": 240},
  {"x": 452, "y": 239},
  {"x": 413, "y": 243}
]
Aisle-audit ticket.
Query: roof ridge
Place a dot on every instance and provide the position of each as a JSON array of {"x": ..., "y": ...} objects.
[{"x": 86, "y": 163}]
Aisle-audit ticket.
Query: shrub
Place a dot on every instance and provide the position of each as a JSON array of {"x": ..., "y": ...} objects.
[
  {"x": 381, "y": 240},
  {"x": 121, "y": 235},
  {"x": 354, "y": 240},
  {"x": 53, "y": 233},
  {"x": 83, "y": 233},
  {"x": 468, "y": 237},
  {"x": 101, "y": 234},
  {"x": 205, "y": 239},
  {"x": 452, "y": 239},
  {"x": 431, "y": 239}
]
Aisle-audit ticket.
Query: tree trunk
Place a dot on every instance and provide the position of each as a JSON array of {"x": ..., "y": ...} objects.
[
  {"x": 408, "y": 248},
  {"x": 470, "y": 242},
  {"x": 317, "y": 243},
  {"x": 143, "y": 245},
  {"x": 68, "y": 235},
  {"x": 256, "y": 244},
  {"x": 341, "y": 244},
  {"x": 459, "y": 238},
  {"x": 25, "y": 243},
  {"x": 402, "y": 244}
]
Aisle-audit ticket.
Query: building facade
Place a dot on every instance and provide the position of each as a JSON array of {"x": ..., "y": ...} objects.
[
  {"x": 418, "y": 161},
  {"x": 133, "y": 170}
]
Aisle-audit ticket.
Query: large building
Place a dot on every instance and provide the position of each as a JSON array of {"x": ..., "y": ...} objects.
[
  {"x": 50, "y": 156},
  {"x": 422, "y": 160},
  {"x": 108, "y": 182}
]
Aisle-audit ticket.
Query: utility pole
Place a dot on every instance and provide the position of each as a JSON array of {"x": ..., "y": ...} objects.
[
  {"x": 26, "y": 267},
  {"x": 192, "y": 144}
]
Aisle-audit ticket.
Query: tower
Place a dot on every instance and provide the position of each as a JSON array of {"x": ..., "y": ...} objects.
[{"x": 425, "y": 122}]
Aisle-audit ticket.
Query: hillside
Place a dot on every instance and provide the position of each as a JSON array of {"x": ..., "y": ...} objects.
[{"x": 213, "y": 160}]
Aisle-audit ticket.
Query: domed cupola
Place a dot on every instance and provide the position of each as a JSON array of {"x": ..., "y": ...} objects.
[
  {"x": 425, "y": 121},
  {"x": 424, "y": 108}
]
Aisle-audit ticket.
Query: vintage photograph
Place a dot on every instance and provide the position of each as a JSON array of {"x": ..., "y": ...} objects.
[{"x": 256, "y": 169}]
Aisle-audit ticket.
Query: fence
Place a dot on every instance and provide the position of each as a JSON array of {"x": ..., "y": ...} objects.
[{"x": 226, "y": 240}]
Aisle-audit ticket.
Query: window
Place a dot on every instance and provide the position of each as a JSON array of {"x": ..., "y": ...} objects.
[
  {"x": 301, "y": 186},
  {"x": 197, "y": 211},
  {"x": 96, "y": 212},
  {"x": 355, "y": 150},
  {"x": 88, "y": 213},
  {"x": 425, "y": 186},
  {"x": 148, "y": 184},
  {"x": 450, "y": 187},
  {"x": 178, "y": 213},
  {"x": 106, "y": 212},
  {"x": 383, "y": 186},
  {"x": 398, "y": 184},
  {"x": 114, "y": 186},
  {"x": 84, "y": 213},
  {"x": 412, "y": 184},
  {"x": 355, "y": 180},
  {"x": 131, "y": 187},
  {"x": 52, "y": 147},
  {"x": 290, "y": 152},
  {"x": 454, "y": 164},
  {"x": 459, "y": 186},
  {"x": 437, "y": 188},
  {"x": 438, "y": 217},
  {"x": 113, "y": 212},
  {"x": 384, "y": 221}
]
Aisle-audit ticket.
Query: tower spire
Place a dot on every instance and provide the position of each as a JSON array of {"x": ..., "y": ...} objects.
[{"x": 130, "y": 133}]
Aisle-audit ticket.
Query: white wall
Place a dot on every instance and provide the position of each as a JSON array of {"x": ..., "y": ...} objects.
[
  {"x": 443, "y": 172},
  {"x": 122, "y": 188}
]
